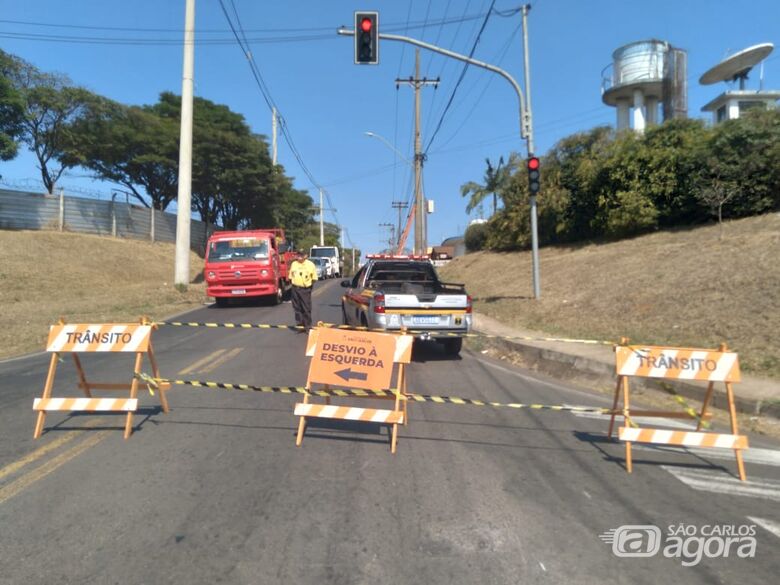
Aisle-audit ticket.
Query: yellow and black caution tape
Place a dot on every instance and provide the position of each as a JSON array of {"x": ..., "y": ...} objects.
[
  {"x": 689, "y": 410},
  {"x": 433, "y": 334},
  {"x": 372, "y": 393}
]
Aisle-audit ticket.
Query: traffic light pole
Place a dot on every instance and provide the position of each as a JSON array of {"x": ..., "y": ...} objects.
[
  {"x": 530, "y": 141},
  {"x": 526, "y": 130}
]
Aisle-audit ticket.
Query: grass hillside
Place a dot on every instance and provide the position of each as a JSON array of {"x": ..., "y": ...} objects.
[
  {"x": 45, "y": 275},
  {"x": 681, "y": 287}
]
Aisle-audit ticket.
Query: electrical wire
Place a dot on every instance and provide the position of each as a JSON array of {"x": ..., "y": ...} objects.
[{"x": 460, "y": 79}]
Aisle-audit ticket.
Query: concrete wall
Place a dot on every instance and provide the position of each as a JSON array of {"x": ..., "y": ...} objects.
[{"x": 21, "y": 210}]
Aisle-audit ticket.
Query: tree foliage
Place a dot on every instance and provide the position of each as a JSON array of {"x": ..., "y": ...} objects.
[
  {"x": 235, "y": 185},
  {"x": 11, "y": 110},
  {"x": 596, "y": 184},
  {"x": 50, "y": 108}
]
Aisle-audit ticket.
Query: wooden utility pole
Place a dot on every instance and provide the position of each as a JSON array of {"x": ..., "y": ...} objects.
[
  {"x": 400, "y": 206},
  {"x": 420, "y": 245}
]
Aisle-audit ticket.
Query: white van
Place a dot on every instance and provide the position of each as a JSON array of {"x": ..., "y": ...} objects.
[{"x": 331, "y": 253}]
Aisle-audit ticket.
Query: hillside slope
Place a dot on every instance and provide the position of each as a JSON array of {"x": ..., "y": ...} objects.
[
  {"x": 682, "y": 287},
  {"x": 85, "y": 278}
]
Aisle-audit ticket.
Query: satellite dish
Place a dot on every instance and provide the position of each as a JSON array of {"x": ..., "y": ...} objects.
[{"x": 738, "y": 65}]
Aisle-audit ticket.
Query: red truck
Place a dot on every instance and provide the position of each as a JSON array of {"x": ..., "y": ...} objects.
[{"x": 251, "y": 263}]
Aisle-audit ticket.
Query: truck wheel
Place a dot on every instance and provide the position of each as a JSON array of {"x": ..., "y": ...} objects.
[
  {"x": 278, "y": 297},
  {"x": 453, "y": 346}
]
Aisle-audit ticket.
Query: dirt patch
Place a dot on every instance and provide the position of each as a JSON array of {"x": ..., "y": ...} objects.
[
  {"x": 84, "y": 278},
  {"x": 681, "y": 287}
]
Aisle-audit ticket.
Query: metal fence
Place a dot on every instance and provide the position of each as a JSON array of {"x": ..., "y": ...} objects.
[{"x": 22, "y": 210}]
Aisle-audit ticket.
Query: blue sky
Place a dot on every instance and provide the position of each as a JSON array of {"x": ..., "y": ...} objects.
[{"x": 329, "y": 103}]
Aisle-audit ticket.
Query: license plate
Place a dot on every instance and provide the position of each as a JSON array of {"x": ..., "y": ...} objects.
[
  {"x": 425, "y": 320},
  {"x": 238, "y": 291}
]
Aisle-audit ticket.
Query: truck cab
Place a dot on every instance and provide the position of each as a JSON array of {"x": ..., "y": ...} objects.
[{"x": 251, "y": 263}]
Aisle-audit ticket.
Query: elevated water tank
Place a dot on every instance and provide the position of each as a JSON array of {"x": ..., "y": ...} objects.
[{"x": 642, "y": 75}]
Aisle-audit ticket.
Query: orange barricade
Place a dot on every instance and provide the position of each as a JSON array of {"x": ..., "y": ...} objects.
[
  {"x": 678, "y": 363},
  {"x": 88, "y": 338},
  {"x": 356, "y": 359}
]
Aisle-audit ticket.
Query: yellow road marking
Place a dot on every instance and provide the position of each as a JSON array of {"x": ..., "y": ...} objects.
[
  {"x": 212, "y": 356},
  {"x": 38, "y": 453},
  {"x": 13, "y": 488},
  {"x": 222, "y": 359}
]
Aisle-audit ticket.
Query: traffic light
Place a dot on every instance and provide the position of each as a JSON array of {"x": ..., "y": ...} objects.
[
  {"x": 534, "y": 175},
  {"x": 366, "y": 38}
]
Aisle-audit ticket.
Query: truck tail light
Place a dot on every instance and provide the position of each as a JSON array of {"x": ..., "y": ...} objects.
[
  {"x": 468, "y": 303},
  {"x": 379, "y": 303}
]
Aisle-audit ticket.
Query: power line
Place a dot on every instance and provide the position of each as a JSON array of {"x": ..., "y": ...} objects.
[
  {"x": 502, "y": 54},
  {"x": 462, "y": 75},
  {"x": 314, "y": 34}
]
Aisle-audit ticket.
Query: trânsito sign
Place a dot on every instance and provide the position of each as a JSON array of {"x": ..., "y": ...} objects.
[{"x": 354, "y": 359}]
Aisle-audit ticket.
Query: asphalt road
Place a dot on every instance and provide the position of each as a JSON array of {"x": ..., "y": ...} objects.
[{"x": 216, "y": 491}]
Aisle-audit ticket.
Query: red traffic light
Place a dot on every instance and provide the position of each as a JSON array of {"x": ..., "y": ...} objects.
[
  {"x": 533, "y": 163},
  {"x": 365, "y": 24}
]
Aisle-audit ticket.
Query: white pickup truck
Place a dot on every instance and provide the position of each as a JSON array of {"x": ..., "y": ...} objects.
[{"x": 395, "y": 292}]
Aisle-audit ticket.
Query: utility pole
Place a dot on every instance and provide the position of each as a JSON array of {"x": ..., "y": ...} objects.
[
  {"x": 273, "y": 134},
  {"x": 420, "y": 245},
  {"x": 184, "y": 198},
  {"x": 530, "y": 143},
  {"x": 391, "y": 227},
  {"x": 400, "y": 206},
  {"x": 322, "y": 221}
]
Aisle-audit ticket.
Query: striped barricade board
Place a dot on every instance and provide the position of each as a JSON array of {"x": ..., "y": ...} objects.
[
  {"x": 364, "y": 360},
  {"x": 79, "y": 338},
  {"x": 677, "y": 363}
]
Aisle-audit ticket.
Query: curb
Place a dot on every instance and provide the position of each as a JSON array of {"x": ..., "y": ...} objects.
[{"x": 569, "y": 367}]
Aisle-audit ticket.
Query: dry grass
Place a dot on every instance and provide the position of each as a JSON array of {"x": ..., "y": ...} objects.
[
  {"x": 683, "y": 287},
  {"x": 45, "y": 275}
]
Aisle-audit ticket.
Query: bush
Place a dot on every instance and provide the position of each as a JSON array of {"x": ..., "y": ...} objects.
[
  {"x": 475, "y": 237},
  {"x": 632, "y": 213}
]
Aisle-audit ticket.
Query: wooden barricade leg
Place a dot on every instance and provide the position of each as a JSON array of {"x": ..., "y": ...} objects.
[
  {"x": 626, "y": 422},
  {"x": 139, "y": 358},
  {"x": 705, "y": 404},
  {"x": 735, "y": 430},
  {"x": 46, "y": 393},
  {"x": 161, "y": 388},
  {"x": 302, "y": 422},
  {"x": 402, "y": 390},
  {"x": 614, "y": 407},
  {"x": 84, "y": 385}
]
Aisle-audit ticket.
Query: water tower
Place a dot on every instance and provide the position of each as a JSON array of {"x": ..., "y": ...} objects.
[
  {"x": 643, "y": 75},
  {"x": 729, "y": 104}
]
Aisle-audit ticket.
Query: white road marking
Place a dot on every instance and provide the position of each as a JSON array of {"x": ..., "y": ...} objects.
[
  {"x": 720, "y": 483},
  {"x": 641, "y": 420},
  {"x": 768, "y": 525},
  {"x": 756, "y": 455}
]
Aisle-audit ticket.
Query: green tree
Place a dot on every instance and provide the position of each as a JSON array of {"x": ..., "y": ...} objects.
[
  {"x": 475, "y": 237},
  {"x": 495, "y": 180},
  {"x": 51, "y": 107},
  {"x": 743, "y": 156},
  {"x": 11, "y": 109},
  {"x": 131, "y": 146}
]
